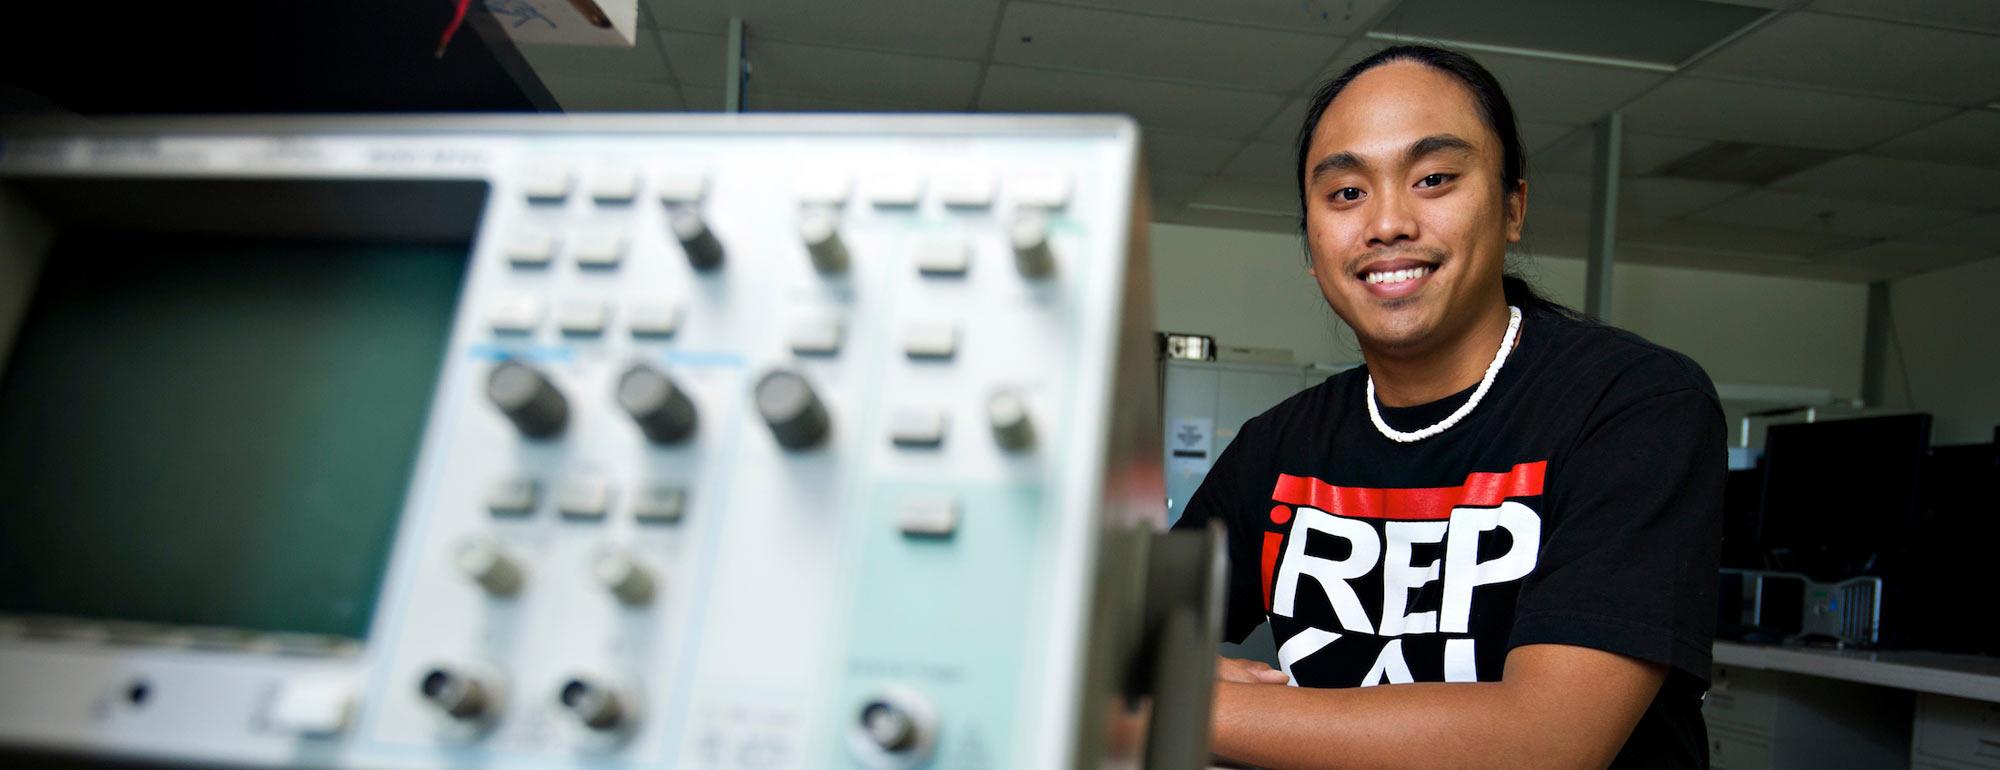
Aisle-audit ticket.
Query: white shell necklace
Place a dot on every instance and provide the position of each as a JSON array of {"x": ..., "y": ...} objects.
[{"x": 1485, "y": 384}]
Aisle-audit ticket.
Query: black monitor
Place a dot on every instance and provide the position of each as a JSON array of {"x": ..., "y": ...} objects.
[{"x": 1840, "y": 495}]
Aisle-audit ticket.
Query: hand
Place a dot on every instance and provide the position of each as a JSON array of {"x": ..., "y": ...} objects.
[{"x": 1248, "y": 671}]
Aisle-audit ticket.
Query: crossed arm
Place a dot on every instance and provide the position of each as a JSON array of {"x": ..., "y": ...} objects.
[{"x": 1556, "y": 706}]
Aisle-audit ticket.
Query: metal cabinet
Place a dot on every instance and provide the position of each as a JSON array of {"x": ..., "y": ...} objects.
[
  {"x": 1765, "y": 720},
  {"x": 1955, "y": 734}
]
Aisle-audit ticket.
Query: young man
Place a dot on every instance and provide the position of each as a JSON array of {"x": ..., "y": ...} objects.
[{"x": 1509, "y": 517}]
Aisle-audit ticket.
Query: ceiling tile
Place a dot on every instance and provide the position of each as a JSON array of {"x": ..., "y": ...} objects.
[
  {"x": 1284, "y": 129},
  {"x": 1975, "y": 232},
  {"x": 1643, "y": 153},
  {"x": 700, "y": 60},
  {"x": 702, "y": 98},
  {"x": 1170, "y": 106},
  {"x": 582, "y": 94},
  {"x": 1908, "y": 182},
  {"x": 1263, "y": 160},
  {"x": 940, "y": 84},
  {"x": 1190, "y": 153},
  {"x": 1171, "y": 191},
  {"x": 1639, "y": 199},
  {"x": 958, "y": 29},
  {"x": 1322, "y": 17},
  {"x": 1734, "y": 240},
  {"x": 1752, "y": 264},
  {"x": 1849, "y": 54},
  {"x": 1151, "y": 46},
  {"x": 644, "y": 61},
  {"x": 1547, "y": 91},
  {"x": 1906, "y": 257},
  {"x": 1971, "y": 15},
  {"x": 1660, "y": 31},
  {"x": 1196, "y": 214},
  {"x": 1535, "y": 136},
  {"x": 1704, "y": 108},
  {"x": 1270, "y": 195},
  {"x": 1971, "y": 137},
  {"x": 1845, "y": 216}
]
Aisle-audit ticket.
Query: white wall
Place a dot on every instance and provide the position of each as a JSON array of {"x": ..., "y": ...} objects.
[
  {"x": 1249, "y": 288},
  {"x": 1947, "y": 337}
]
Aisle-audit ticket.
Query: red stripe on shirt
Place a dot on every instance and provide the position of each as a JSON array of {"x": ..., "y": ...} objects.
[{"x": 1430, "y": 503}]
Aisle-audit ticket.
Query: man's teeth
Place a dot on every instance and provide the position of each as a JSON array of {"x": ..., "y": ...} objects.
[{"x": 1398, "y": 276}]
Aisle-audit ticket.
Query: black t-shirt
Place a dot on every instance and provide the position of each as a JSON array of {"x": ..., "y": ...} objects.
[{"x": 1579, "y": 503}]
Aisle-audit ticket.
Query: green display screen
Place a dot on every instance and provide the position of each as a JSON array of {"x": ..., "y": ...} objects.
[{"x": 217, "y": 431}]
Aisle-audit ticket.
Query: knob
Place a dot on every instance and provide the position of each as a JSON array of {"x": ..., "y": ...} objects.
[
  {"x": 482, "y": 558},
  {"x": 896, "y": 728},
  {"x": 1013, "y": 428},
  {"x": 794, "y": 412},
  {"x": 1029, "y": 233},
  {"x": 528, "y": 399},
  {"x": 595, "y": 703},
  {"x": 623, "y": 576},
  {"x": 704, "y": 252},
  {"x": 888, "y": 727},
  {"x": 820, "y": 227},
  {"x": 662, "y": 410},
  {"x": 463, "y": 695}
]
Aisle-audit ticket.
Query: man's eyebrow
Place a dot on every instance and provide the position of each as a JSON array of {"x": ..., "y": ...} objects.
[
  {"x": 1438, "y": 143},
  {"x": 1339, "y": 161},
  {"x": 1429, "y": 145}
]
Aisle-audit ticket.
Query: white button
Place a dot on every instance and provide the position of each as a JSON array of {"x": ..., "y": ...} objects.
[
  {"x": 815, "y": 336},
  {"x": 311, "y": 707},
  {"x": 1047, "y": 191},
  {"x": 660, "y": 504},
  {"x": 513, "y": 496},
  {"x": 614, "y": 186},
  {"x": 546, "y": 183},
  {"x": 653, "y": 319},
  {"x": 916, "y": 426},
  {"x": 599, "y": 249},
  {"x": 586, "y": 497},
  {"x": 965, "y": 189},
  {"x": 677, "y": 187},
  {"x": 895, "y": 190},
  {"x": 943, "y": 256},
  {"x": 517, "y": 315},
  {"x": 930, "y": 339},
  {"x": 928, "y": 516},
  {"x": 825, "y": 189},
  {"x": 531, "y": 247},
  {"x": 582, "y": 317}
]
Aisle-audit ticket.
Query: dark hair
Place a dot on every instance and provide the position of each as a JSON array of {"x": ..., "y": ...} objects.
[{"x": 1494, "y": 107}]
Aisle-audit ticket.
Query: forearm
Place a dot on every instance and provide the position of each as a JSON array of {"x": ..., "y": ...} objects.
[{"x": 1428, "y": 725}]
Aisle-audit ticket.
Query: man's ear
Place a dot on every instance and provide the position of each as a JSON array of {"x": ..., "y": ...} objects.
[{"x": 1517, "y": 210}]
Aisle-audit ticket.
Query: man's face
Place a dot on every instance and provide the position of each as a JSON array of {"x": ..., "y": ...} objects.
[{"x": 1406, "y": 221}]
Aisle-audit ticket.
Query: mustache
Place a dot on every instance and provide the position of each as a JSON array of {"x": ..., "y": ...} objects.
[{"x": 1430, "y": 254}]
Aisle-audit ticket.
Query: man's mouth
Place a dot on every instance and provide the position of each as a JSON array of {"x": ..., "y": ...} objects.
[{"x": 1397, "y": 276}]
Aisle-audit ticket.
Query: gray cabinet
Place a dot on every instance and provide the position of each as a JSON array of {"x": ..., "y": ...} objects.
[
  {"x": 1766, "y": 720},
  {"x": 1955, "y": 734}
]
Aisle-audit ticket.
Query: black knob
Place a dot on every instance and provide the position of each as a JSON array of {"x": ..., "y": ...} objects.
[
  {"x": 703, "y": 250},
  {"x": 889, "y": 727},
  {"x": 458, "y": 694},
  {"x": 594, "y": 704},
  {"x": 662, "y": 410},
  {"x": 792, "y": 409},
  {"x": 528, "y": 399}
]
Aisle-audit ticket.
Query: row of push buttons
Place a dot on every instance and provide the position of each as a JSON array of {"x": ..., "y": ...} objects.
[
  {"x": 958, "y": 189},
  {"x": 525, "y": 313},
  {"x": 585, "y": 498}
]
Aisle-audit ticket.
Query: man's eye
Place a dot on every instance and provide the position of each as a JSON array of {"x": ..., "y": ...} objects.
[
  {"x": 1347, "y": 194},
  {"x": 1434, "y": 180}
]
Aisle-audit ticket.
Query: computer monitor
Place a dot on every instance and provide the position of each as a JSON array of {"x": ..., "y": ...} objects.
[{"x": 1840, "y": 495}]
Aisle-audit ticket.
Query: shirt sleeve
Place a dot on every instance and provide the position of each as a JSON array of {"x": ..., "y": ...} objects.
[
  {"x": 1629, "y": 565},
  {"x": 1219, "y": 498}
]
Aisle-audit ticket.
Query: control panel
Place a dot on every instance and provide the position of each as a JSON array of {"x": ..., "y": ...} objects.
[{"x": 757, "y": 443}]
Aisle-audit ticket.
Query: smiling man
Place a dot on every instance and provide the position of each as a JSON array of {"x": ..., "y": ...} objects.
[{"x": 1494, "y": 545}]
